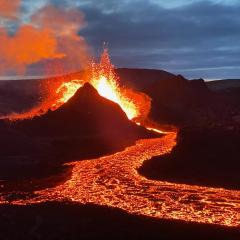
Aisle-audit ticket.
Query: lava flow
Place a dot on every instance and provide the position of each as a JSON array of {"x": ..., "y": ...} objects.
[{"x": 114, "y": 180}]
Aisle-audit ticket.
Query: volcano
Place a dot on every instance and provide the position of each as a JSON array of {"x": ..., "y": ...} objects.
[
  {"x": 86, "y": 126},
  {"x": 86, "y": 113}
]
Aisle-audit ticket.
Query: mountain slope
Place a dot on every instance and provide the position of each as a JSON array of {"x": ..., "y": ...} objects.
[{"x": 87, "y": 126}]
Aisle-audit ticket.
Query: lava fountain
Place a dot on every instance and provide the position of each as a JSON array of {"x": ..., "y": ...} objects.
[
  {"x": 103, "y": 77},
  {"x": 106, "y": 81}
]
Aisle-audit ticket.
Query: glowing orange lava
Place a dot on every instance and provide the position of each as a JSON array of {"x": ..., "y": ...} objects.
[
  {"x": 109, "y": 89},
  {"x": 67, "y": 90},
  {"x": 57, "y": 95},
  {"x": 105, "y": 80},
  {"x": 102, "y": 76},
  {"x": 114, "y": 181}
]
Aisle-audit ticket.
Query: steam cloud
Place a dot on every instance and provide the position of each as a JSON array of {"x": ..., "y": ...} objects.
[
  {"x": 9, "y": 8},
  {"x": 52, "y": 35}
]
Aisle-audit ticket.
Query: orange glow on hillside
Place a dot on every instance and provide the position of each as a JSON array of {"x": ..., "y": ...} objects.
[
  {"x": 66, "y": 91},
  {"x": 114, "y": 182},
  {"x": 104, "y": 79}
]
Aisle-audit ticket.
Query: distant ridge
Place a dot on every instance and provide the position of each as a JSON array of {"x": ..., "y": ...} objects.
[{"x": 222, "y": 85}]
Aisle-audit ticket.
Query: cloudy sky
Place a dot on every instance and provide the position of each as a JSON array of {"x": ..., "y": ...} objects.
[{"x": 195, "y": 38}]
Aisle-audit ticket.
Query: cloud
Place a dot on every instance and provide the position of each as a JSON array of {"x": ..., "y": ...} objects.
[
  {"x": 49, "y": 38},
  {"x": 188, "y": 39},
  {"x": 29, "y": 45},
  {"x": 195, "y": 38},
  {"x": 65, "y": 25},
  {"x": 9, "y": 9}
]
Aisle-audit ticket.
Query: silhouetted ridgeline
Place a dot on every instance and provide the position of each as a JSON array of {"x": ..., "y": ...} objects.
[
  {"x": 178, "y": 101},
  {"x": 175, "y": 100}
]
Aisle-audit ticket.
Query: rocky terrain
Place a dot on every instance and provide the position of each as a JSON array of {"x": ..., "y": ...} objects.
[
  {"x": 86, "y": 126},
  {"x": 33, "y": 151}
]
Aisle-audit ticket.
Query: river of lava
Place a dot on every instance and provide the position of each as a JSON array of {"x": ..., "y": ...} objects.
[{"x": 114, "y": 181}]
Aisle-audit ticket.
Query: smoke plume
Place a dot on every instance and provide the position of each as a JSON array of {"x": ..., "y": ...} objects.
[
  {"x": 9, "y": 8},
  {"x": 52, "y": 35}
]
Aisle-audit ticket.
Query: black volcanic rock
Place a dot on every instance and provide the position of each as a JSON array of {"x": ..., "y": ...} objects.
[
  {"x": 139, "y": 79},
  {"x": 86, "y": 126},
  {"x": 175, "y": 100},
  {"x": 86, "y": 113},
  {"x": 71, "y": 221},
  {"x": 18, "y": 96},
  {"x": 206, "y": 157},
  {"x": 182, "y": 102},
  {"x": 225, "y": 85}
]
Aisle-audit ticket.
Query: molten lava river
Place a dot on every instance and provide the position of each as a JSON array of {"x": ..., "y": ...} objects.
[{"x": 114, "y": 181}]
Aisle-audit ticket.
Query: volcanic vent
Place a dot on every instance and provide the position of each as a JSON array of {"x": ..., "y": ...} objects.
[
  {"x": 86, "y": 113},
  {"x": 85, "y": 126}
]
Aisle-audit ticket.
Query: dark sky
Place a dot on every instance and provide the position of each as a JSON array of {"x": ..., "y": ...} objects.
[{"x": 194, "y": 38}]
